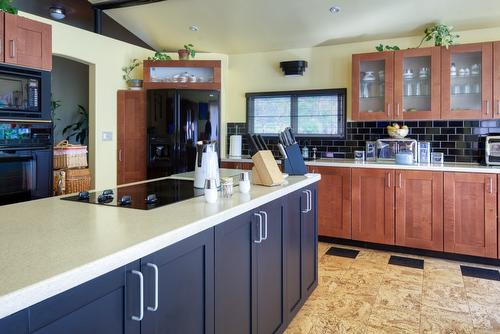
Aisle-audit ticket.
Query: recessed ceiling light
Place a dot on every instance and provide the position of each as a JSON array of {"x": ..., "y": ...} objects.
[
  {"x": 335, "y": 9},
  {"x": 57, "y": 13},
  {"x": 194, "y": 28}
]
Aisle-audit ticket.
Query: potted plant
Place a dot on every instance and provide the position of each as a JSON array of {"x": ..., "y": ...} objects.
[
  {"x": 6, "y": 7},
  {"x": 127, "y": 72},
  {"x": 187, "y": 52},
  {"x": 160, "y": 55},
  {"x": 79, "y": 129}
]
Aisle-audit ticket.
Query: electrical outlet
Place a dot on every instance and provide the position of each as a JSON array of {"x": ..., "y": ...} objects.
[{"x": 107, "y": 136}]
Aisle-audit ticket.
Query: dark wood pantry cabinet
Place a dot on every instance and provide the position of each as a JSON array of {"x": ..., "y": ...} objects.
[{"x": 250, "y": 274}]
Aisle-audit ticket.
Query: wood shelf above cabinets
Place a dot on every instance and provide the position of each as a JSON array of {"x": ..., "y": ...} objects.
[{"x": 199, "y": 74}]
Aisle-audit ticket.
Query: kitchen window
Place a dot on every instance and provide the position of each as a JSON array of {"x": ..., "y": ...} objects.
[{"x": 311, "y": 113}]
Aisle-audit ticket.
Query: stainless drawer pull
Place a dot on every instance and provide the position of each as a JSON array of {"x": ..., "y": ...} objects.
[
  {"x": 260, "y": 228},
  {"x": 155, "y": 268},
  {"x": 307, "y": 205},
  {"x": 310, "y": 200},
  {"x": 265, "y": 224},
  {"x": 141, "y": 296}
]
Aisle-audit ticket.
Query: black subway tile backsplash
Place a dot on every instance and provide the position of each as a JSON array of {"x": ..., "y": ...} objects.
[{"x": 457, "y": 140}]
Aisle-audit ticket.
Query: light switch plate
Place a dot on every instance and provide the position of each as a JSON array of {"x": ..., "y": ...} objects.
[{"x": 107, "y": 136}]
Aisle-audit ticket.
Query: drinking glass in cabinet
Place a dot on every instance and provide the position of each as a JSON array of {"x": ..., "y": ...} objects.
[
  {"x": 465, "y": 77},
  {"x": 372, "y": 88},
  {"x": 416, "y": 89}
]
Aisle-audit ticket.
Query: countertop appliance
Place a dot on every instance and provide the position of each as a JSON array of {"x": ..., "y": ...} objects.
[
  {"x": 24, "y": 94},
  {"x": 387, "y": 148},
  {"x": 25, "y": 161},
  {"x": 177, "y": 120},
  {"x": 207, "y": 164},
  {"x": 143, "y": 196},
  {"x": 492, "y": 150}
]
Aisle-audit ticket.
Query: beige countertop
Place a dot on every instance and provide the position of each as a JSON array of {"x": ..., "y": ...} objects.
[
  {"x": 446, "y": 167},
  {"x": 48, "y": 246}
]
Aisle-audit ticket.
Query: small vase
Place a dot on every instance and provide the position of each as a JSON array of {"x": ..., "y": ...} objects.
[
  {"x": 134, "y": 84},
  {"x": 183, "y": 54}
]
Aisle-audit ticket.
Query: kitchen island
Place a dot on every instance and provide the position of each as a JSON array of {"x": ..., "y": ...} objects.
[{"x": 72, "y": 267}]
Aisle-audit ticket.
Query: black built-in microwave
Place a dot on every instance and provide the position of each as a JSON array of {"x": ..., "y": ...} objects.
[{"x": 24, "y": 94}]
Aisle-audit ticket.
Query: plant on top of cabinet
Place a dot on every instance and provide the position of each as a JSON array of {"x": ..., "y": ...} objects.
[
  {"x": 6, "y": 7},
  {"x": 160, "y": 55},
  {"x": 127, "y": 75},
  {"x": 442, "y": 35},
  {"x": 187, "y": 52},
  {"x": 382, "y": 47}
]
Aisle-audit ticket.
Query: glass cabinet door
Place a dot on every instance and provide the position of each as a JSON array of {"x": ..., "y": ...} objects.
[
  {"x": 417, "y": 74},
  {"x": 467, "y": 81},
  {"x": 372, "y": 86}
]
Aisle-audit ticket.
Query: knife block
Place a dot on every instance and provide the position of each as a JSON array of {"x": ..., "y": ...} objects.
[
  {"x": 266, "y": 171},
  {"x": 295, "y": 164}
]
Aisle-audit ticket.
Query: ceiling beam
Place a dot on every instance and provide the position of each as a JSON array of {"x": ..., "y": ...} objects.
[{"x": 112, "y": 4}]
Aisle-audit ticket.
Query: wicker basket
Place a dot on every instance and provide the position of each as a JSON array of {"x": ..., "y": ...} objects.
[
  {"x": 67, "y": 155},
  {"x": 77, "y": 180},
  {"x": 59, "y": 183}
]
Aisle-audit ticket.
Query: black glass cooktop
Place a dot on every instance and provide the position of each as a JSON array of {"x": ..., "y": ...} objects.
[{"x": 144, "y": 196}]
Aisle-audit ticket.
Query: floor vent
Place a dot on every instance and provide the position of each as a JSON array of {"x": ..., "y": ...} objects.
[
  {"x": 343, "y": 252},
  {"x": 490, "y": 274},
  {"x": 406, "y": 262}
]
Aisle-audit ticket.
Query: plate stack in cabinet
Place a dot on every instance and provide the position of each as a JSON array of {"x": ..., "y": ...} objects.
[{"x": 71, "y": 173}]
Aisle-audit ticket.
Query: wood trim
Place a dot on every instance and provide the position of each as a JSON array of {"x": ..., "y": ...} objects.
[
  {"x": 435, "y": 84},
  {"x": 456, "y": 226},
  {"x": 388, "y": 57},
  {"x": 2, "y": 37},
  {"x": 426, "y": 230},
  {"x": 496, "y": 79},
  {"x": 487, "y": 67},
  {"x": 334, "y": 201},
  {"x": 384, "y": 192}
]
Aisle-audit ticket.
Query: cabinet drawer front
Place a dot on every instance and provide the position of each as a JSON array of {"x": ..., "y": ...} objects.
[{"x": 470, "y": 210}]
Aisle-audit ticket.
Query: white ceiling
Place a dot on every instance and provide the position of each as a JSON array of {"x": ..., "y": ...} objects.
[{"x": 239, "y": 26}]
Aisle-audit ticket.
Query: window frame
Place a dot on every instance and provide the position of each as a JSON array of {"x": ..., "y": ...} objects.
[{"x": 294, "y": 95}]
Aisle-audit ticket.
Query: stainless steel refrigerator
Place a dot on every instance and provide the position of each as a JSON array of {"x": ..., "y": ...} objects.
[{"x": 177, "y": 119}]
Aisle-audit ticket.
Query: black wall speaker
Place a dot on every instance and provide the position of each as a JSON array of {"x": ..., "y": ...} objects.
[{"x": 293, "y": 67}]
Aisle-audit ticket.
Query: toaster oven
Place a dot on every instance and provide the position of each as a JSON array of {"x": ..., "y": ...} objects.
[{"x": 492, "y": 150}]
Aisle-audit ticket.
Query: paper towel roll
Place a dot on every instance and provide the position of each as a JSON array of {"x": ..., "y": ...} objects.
[{"x": 235, "y": 146}]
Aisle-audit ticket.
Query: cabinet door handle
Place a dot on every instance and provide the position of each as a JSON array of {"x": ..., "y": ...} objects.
[
  {"x": 12, "y": 48},
  {"x": 389, "y": 109},
  {"x": 155, "y": 268},
  {"x": 388, "y": 180},
  {"x": 264, "y": 213},
  {"x": 1, "y": 45},
  {"x": 400, "y": 180},
  {"x": 141, "y": 296},
  {"x": 487, "y": 107},
  {"x": 307, "y": 202},
  {"x": 260, "y": 228},
  {"x": 397, "y": 110},
  {"x": 310, "y": 200},
  {"x": 490, "y": 185},
  {"x": 120, "y": 155},
  {"x": 498, "y": 107}
]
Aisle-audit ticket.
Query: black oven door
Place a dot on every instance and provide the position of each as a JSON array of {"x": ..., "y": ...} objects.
[{"x": 24, "y": 175}]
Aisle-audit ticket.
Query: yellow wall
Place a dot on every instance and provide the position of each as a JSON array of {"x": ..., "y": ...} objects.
[
  {"x": 329, "y": 67},
  {"x": 106, "y": 57}
]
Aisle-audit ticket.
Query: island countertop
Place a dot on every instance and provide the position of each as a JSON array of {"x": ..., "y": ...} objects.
[{"x": 49, "y": 246}]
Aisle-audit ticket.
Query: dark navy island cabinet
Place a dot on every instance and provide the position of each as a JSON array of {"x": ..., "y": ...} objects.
[{"x": 249, "y": 275}]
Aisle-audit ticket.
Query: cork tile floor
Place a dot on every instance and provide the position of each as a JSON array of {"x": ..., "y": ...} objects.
[{"x": 367, "y": 295}]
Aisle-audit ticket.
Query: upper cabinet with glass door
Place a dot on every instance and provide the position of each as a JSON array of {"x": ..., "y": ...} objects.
[
  {"x": 467, "y": 81},
  {"x": 417, "y": 74},
  {"x": 372, "y": 82}
]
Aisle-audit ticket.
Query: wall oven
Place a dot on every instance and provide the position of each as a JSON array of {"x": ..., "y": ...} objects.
[
  {"x": 24, "y": 94},
  {"x": 25, "y": 162}
]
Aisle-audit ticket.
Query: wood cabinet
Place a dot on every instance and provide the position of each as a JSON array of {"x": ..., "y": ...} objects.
[
  {"x": 419, "y": 209},
  {"x": 470, "y": 214},
  {"x": 373, "y": 205},
  {"x": 467, "y": 90},
  {"x": 334, "y": 202},
  {"x": 372, "y": 86},
  {"x": 185, "y": 295},
  {"x": 132, "y": 137},
  {"x": 17, "y": 323},
  {"x": 236, "y": 165},
  {"x": 27, "y": 42},
  {"x": 496, "y": 79}
]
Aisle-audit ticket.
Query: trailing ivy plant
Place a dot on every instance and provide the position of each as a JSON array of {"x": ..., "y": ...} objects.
[
  {"x": 6, "y": 7},
  {"x": 127, "y": 70},
  {"x": 442, "y": 35},
  {"x": 160, "y": 55},
  {"x": 79, "y": 129},
  {"x": 190, "y": 49},
  {"x": 382, "y": 47}
]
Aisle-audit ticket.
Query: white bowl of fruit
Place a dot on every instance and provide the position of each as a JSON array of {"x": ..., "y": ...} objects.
[{"x": 396, "y": 131}]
